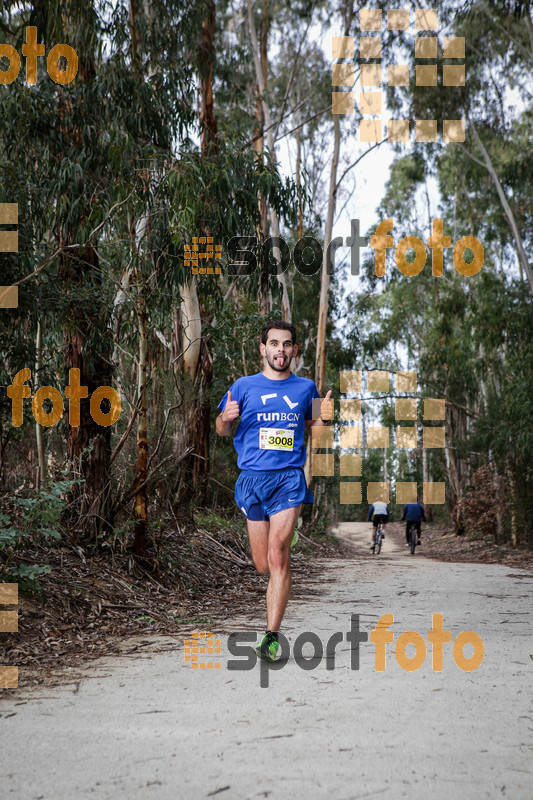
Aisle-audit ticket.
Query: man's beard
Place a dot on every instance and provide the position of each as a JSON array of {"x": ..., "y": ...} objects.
[{"x": 277, "y": 367}]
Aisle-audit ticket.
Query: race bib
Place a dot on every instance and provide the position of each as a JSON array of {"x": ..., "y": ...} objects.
[{"x": 275, "y": 439}]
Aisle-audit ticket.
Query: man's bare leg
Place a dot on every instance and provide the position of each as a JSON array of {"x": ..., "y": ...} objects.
[
  {"x": 280, "y": 534},
  {"x": 258, "y": 536}
]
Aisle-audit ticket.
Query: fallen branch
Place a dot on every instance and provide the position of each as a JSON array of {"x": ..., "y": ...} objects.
[
  {"x": 232, "y": 554},
  {"x": 305, "y": 538}
]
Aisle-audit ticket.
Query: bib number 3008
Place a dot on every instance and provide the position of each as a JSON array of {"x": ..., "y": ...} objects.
[{"x": 275, "y": 439}]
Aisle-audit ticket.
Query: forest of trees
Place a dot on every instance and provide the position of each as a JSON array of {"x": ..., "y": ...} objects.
[{"x": 212, "y": 118}]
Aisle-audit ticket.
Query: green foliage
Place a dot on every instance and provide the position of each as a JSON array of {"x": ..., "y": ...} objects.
[
  {"x": 27, "y": 576},
  {"x": 33, "y": 521},
  {"x": 468, "y": 338},
  {"x": 110, "y": 166},
  {"x": 43, "y": 512}
]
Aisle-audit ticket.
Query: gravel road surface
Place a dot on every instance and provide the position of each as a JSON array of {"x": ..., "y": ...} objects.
[{"x": 147, "y": 725}]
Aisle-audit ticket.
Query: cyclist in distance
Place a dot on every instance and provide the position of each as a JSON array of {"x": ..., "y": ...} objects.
[
  {"x": 275, "y": 410},
  {"x": 415, "y": 515},
  {"x": 378, "y": 512}
]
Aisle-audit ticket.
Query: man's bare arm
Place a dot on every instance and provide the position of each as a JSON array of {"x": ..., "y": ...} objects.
[
  {"x": 223, "y": 428},
  {"x": 225, "y": 420}
]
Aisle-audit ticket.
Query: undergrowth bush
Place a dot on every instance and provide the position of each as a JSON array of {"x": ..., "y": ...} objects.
[{"x": 25, "y": 521}]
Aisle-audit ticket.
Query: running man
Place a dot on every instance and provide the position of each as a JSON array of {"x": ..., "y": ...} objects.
[
  {"x": 378, "y": 512},
  {"x": 414, "y": 514},
  {"x": 275, "y": 410}
]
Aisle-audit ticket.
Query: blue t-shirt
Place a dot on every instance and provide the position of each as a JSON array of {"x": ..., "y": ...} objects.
[
  {"x": 270, "y": 434},
  {"x": 414, "y": 512}
]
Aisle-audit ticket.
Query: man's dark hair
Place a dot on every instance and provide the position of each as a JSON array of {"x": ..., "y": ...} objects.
[{"x": 280, "y": 325}]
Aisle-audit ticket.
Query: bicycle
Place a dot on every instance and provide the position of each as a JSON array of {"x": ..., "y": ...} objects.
[
  {"x": 378, "y": 538},
  {"x": 413, "y": 537}
]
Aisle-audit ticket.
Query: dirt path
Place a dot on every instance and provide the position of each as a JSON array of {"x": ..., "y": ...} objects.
[{"x": 147, "y": 725}]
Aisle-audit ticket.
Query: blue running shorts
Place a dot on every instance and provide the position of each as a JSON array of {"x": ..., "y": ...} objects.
[{"x": 261, "y": 494}]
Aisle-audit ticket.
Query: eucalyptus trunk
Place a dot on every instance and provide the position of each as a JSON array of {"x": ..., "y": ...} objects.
[
  {"x": 88, "y": 444},
  {"x": 38, "y": 428},
  {"x": 260, "y": 68},
  {"x": 522, "y": 255},
  {"x": 140, "y": 503},
  {"x": 320, "y": 364},
  {"x": 193, "y": 363}
]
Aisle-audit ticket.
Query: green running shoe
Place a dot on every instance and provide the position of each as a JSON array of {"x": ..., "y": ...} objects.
[
  {"x": 268, "y": 647},
  {"x": 295, "y": 535}
]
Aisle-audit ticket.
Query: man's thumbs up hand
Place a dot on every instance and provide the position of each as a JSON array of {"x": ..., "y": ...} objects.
[
  {"x": 326, "y": 407},
  {"x": 231, "y": 411}
]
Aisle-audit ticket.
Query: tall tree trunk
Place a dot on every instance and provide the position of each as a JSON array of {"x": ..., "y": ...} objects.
[
  {"x": 200, "y": 422},
  {"x": 191, "y": 321},
  {"x": 201, "y": 426},
  {"x": 496, "y": 482},
  {"x": 513, "y": 504},
  {"x": 522, "y": 256},
  {"x": 299, "y": 180},
  {"x": 259, "y": 75},
  {"x": 452, "y": 470},
  {"x": 208, "y": 121},
  {"x": 498, "y": 495},
  {"x": 425, "y": 474},
  {"x": 138, "y": 232},
  {"x": 194, "y": 366},
  {"x": 140, "y": 510},
  {"x": 192, "y": 419},
  {"x": 135, "y": 39},
  {"x": 425, "y": 478},
  {"x": 38, "y": 428},
  {"x": 88, "y": 444},
  {"x": 320, "y": 364},
  {"x": 529, "y": 24},
  {"x": 140, "y": 502},
  {"x": 93, "y": 506},
  {"x": 264, "y": 294}
]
